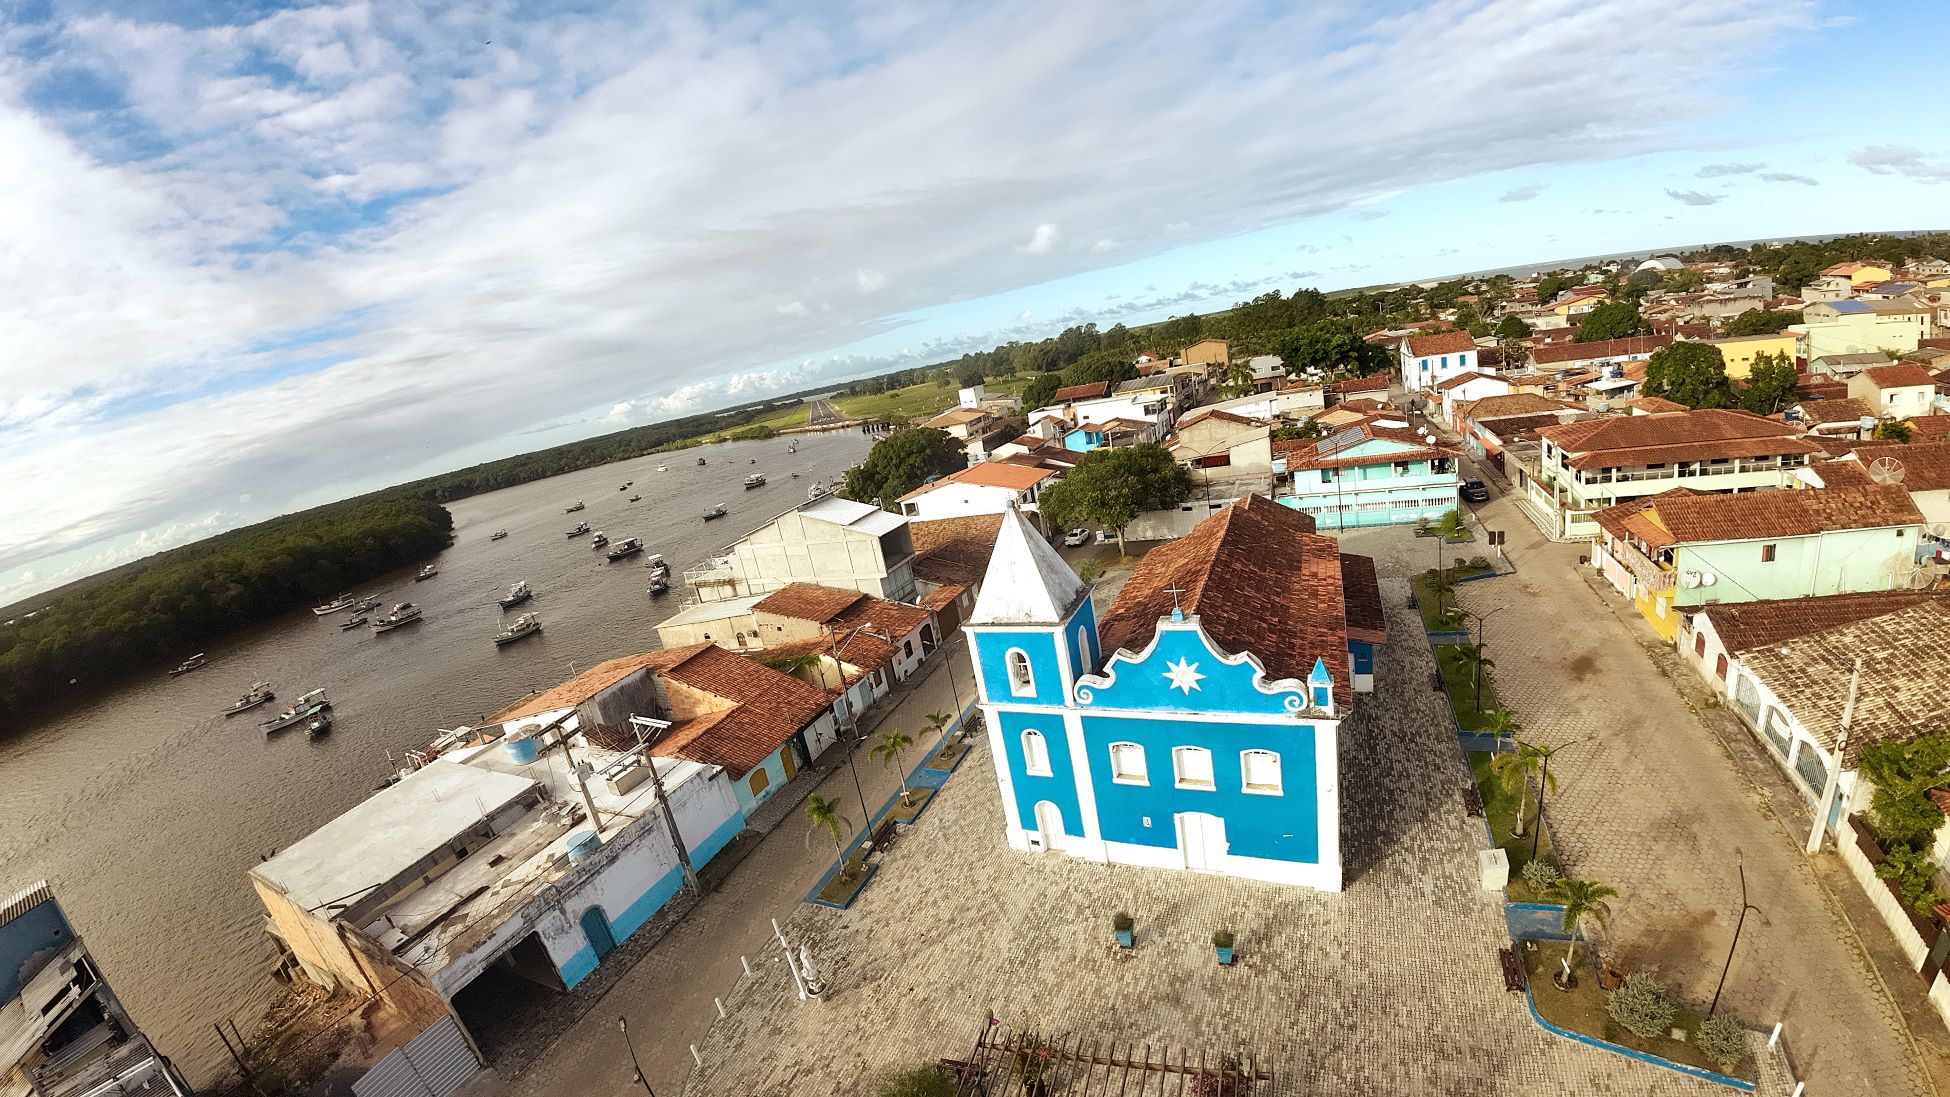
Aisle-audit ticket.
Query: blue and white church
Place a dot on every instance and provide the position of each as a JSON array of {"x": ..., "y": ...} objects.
[{"x": 1197, "y": 725}]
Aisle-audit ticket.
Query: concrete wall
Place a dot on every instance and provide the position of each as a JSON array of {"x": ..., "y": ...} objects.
[
  {"x": 1912, "y": 945},
  {"x": 1168, "y": 525},
  {"x": 1839, "y": 562},
  {"x": 958, "y": 499}
]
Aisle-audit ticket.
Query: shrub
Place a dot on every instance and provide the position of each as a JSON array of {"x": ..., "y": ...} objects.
[
  {"x": 915, "y": 1082},
  {"x": 1122, "y": 922},
  {"x": 1221, "y": 938},
  {"x": 1540, "y": 874},
  {"x": 1641, "y": 1005},
  {"x": 1723, "y": 1042},
  {"x": 1915, "y": 877},
  {"x": 1479, "y": 561}
]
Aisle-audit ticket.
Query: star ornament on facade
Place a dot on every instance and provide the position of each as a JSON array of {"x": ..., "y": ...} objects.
[{"x": 1184, "y": 675}]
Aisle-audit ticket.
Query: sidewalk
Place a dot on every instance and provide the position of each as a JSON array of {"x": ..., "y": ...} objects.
[{"x": 667, "y": 993}]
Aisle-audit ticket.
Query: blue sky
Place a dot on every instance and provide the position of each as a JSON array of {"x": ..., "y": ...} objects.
[{"x": 260, "y": 257}]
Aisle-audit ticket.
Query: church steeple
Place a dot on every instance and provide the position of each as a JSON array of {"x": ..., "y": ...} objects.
[{"x": 1027, "y": 582}]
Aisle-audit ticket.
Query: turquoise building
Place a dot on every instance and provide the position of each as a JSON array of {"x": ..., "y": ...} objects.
[
  {"x": 1369, "y": 475},
  {"x": 1196, "y": 726}
]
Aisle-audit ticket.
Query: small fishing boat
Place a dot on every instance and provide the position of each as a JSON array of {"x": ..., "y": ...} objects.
[
  {"x": 194, "y": 662},
  {"x": 794, "y": 448},
  {"x": 628, "y": 546},
  {"x": 403, "y": 614},
  {"x": 755, "y": 480},
  {"x": 754, "y": 461},
  {"x": 357, "y": 620},
  {"x": 815, "y": 491},
  {"x": 658, "y": 585},
  {"x": 656, "y": 562},
  {"x": 517, "y": 594},
  {"x": 343, "y": 601},
  {"x": 365, "y": 604},
  {"x": 497, "y": 535},
  {"x": 700, "y": 461},
  {"x": 259, "y": 693},
  {"x": 525, "y": 625},
  {"x": 663, "y": 468},
  {"x": 599, "y": 540},
  {"x": 319, "y": 725},
  {"x": 426, "y": 573},
  {"x": 715, "y": 513},
  {"x": 581, "y": 528},
  {"x": 571, "y": 510},
  {"x": 795, "y": 476},
  {"x": 304, "y": 708},
  {"x": 634, "y": 498}
]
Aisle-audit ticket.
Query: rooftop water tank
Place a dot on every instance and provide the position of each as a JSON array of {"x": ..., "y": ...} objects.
[
  {"x": 582, "y": 844},
  {"x": 523, "y": 750}
]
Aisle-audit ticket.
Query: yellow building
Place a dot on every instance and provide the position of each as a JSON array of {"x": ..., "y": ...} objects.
[
  {"x": 1207, "y": 352},
  {"x": 1861, "y": 274},
  {"x": 1740, "y": 350}
]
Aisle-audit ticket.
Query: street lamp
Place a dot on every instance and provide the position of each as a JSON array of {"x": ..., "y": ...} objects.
[
  {"x": 1480, "y": 618},
  {"x": 1543, "y": 790},
  {"x": 1745, "y": 906},
  {"x": 623, "y": 1026}
]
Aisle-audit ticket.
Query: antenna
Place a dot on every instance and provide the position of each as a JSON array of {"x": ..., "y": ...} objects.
[{"x": 1886, "y": 470}]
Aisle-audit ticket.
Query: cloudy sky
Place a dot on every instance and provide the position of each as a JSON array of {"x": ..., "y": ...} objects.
[{"x": 253, "y": 258}]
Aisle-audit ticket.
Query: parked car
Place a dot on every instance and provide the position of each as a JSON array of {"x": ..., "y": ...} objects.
[
  {"x": 1075, "y": 537},
  {"x": 1475, "y": 491}
]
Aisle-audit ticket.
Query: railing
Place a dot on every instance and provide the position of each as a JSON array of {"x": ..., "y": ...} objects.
[
  {"x": 1642, "y": 567},
  {"x": 1688, "y": 472}
]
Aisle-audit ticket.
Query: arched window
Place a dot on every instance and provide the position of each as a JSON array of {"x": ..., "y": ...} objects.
[
  {"x": 1022, "y": 680},
  {"x": 1035, "y": 754},
  {"x": 1192, "y": 767},
  {"x": 1259, "y": 771},
  {"x": 1127, "y": 764},
  {"x": 1083, "y": 651}
]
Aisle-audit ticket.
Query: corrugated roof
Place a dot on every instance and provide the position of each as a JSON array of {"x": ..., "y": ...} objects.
[
  {"x": 862, "y": 517},
  {"x": 1693, "y": 518},
  {"x": 1089, "y": 391},
  {"x": 1608, "y": 348}
]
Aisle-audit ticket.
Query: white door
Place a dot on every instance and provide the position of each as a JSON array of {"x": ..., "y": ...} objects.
[
  {"x": 1049, "y": 827},
  {"x": 1202, "y": 841}
]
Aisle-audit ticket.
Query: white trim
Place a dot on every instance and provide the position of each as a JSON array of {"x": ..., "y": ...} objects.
[
  {"x": 1178, "y": 779},
  {"x": 1002, "y": 775},
  {"x": 1086, "y": 783},
  {"x": 1144, "y": 762},
  {"x": 1028, "y": 688},
  {"x": 1279, "y": 767},
  {"x": 1270, "y": 687},
  {"x": 1028, "y": 758},
  {"x": 1270, "y": 719}
]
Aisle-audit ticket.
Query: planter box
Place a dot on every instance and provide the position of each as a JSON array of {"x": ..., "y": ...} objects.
[
  {"x": 1225, "y": 955},
  {"x": 1124, "y": 938}
]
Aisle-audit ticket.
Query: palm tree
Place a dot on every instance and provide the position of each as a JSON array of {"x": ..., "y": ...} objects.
[
  {"x": 936, "y": 722},
  {"x": 825, "y": 815},
  {"x": 1477, "y": 659},
  {"x": 1441, "y": 586},
  {"x": 1513, "y": 770},
  {"x": 1584, "y": 905},
  {"x": 1450, "y": 525},
  {"x": 889, "y": 748},
  {"x": 1501, "y": 722}
]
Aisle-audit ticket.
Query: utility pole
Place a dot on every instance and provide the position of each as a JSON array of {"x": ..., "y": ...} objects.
[
  {"x": 1745, "y": 906},
  {"x": 580, "y": 771},
  {"x": 1829, "y": 787},
  {"x": 656, "y": 727}
]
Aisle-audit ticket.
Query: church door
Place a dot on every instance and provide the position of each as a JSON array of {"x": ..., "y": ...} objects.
[
  {"x": 1049, "y": 827},
  {"x": 1202, "y": 841}
]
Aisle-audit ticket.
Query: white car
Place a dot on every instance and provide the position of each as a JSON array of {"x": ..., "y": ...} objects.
[{"x": 1076, "y": 537}]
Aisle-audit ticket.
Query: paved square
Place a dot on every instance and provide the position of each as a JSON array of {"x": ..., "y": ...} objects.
[{"x": 1389, "y": 988}]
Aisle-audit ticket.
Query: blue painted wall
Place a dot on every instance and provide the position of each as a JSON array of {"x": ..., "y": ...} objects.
[
  {"x": 774, "y": 767},
  {"x": 1361, "y": 654},
  {"x": 1060, "y": 787},
  {"x": 1222, "y": 688},
  {"x": 577, "y": 967},
  {"x": 1284, "y": 827},
  {"x": 1085, "y": 618},
  {"x": 992, "y": 648},
  {"x": 40, "y": 929}
]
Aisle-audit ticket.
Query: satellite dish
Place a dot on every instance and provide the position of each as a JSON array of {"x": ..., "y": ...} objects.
[
  {"x": 1886, "y": 470},
  {"x": 1941, "y": 529},
  {"x": 1689, "y": 579},
  {"x": 1707, "y": 578}
]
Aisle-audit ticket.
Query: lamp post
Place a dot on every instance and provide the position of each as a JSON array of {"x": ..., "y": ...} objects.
[
  {"x": 1543, "y": 789},
  {"x": 1480, "y": 629},
  {"x": 1745, "y": 906},
  {"x": 623, "y": 1026}
]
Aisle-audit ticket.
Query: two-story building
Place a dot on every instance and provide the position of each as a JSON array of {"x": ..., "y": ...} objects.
[
  {"x": 1369, "y": 475},
  {"x": 988, "y": 488},
  {"x": 1580, "y": 357},
  {"x": 1896, "y": 391},
  {"x": 1578, "y": 469},
  {"x": 1426, "y": 361},
  {"x": 1674, "y": 552},
  {"x": 1739, "y": 351},
  {"x": 1196, "y": 726},
  {"x": 830, "y": 541},
  {"x": 1860, "y": 326}
]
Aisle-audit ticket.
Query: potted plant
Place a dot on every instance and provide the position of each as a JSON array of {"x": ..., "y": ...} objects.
[
  {"x": 1122, "y": 923},
  {"x": 1222, "y": 944}
]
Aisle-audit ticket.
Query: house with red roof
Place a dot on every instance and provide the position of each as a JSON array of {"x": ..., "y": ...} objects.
[
  {"x": 1428, "y": 360},
  {"x": 1895, "y": 391},
  {"x": 1369, "y": 474},
  {"x": 988, "y": 488}
]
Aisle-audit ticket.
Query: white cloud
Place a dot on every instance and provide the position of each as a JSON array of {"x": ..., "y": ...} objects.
[
  {"x": 869, "y": 281},
  {"x": 1042, "y": 241},
  {"x": 793, "y": 308},
  {"x": 1523, "y": 193},
  {"x": 1901, "y": 160},
  {"x": 1717, "y": 171},
  {"x": 1693, "y": 197},
  {"x": 1103, "y": 246}
]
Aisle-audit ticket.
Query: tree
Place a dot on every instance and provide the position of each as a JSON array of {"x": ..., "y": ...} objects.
[
  {"x": 1513, "y": 771},
  {"x": 1041, "y": 391},
  {"x": 1477, "y": 659},
  {"x": 1892, "y": 430},
  {"x": 1693, "y": 374},
  {"x": 1238, "y": 379},
  {"x": 1645, "y": 279},
  {"x": 968, "y": 375},
  {"x": 1306, "y": 430},
  {"x": 1584, "y": 905},
  {"x": 1903, "y": 773},
  {"x": 825, "y": 815},
  {"x": 1099, "y": 365},
  {"x": 901, "y": 462},
  {"x": 1611, "y": 320},
  {"x": 1762, "y": 322},
  {"x": 1332, "y": 346},
  {"x": 1501, "y": 722},
  {"x": 889, "y": 749},
  {"x": 1548, "y": 287},
  {"x": 1109, "y": 487},
  {"x": 1512, "y": 327},
  {"x": 1770, "y": 384}
]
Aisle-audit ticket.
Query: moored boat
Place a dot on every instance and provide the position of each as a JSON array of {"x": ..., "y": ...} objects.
[
  {"x": 365, "y": 604},
  {"x": 343, "y": 601},
  {"x": 755, "y": 480},
  {"x": 426, "y": 573},
  {"x": 525, "y": 625},
  {"x": 634, "y": 498},
  {"x": 663, "y": 468},
  {"x": 700, "y": 460},
  {"x": 304, "y": 708},
  {"x": 194, "y": 662},
  {"x": 572, "y": 509},
  {"x": 497, "y": 535},
  {"x": 517, "y": 594},
  {"x": 581, "y": 528},
  {"x": 658, "y": 585},
  {"x": 656, "y": 563},
  {"x": 259, "y": 693},
  {"x": 403, "y": 614},
  {"x": 319, "y": 725},
  {"x": 715, "y": 512},
  {"x": 357, "y": 620},
  {"x": 599, "y": 540},
  {"x": 628, "y": 546}
]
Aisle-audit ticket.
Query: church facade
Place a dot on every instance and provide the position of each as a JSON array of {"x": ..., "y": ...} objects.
[{"x": 1159, "y": 736}]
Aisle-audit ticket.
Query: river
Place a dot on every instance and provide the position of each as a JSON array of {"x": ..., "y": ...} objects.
[{"x": 145, "y": 807}]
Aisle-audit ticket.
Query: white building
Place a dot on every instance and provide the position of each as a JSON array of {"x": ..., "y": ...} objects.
[
  {"x": 988, "y": 488},
  {"x": 1428, "y": 360},
  {"x": 830, "y": 541}
]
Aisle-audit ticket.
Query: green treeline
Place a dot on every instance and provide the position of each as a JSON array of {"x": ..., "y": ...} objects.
[{"x": 149, "y": 617}]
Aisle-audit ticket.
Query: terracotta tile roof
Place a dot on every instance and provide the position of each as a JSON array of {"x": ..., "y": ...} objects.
[
  {"x": 1448, "y": 342},
  {"x": 1366, "y": 406},
  {"x": 582, "y": 687},
  {"x": 1081, "y": 392},
  {"x": 1901, "y": 375},
  {"x": 1743, "y": 626},
  {"x": 1696, "y": 518},
  {"x": 1257, "y": 577},
  {"x": 769, "y": 707},
  {"x": 1926, "y": 465},
  {"x": 807, "y": 602},
  {"x": 1844, "y": 410},
  {"x": 1654, "y": 404},
  {"x": 955, "y": 417},
  {"x": 943, "y": 596},
  {"x": 1202, "y": 414},
  {"x": 1512, "y": 428},
  {"x": 1465, "y": 378},
  {"x": 1675, "y": 436},
  {"x": 1361, "y": 589},
  {"x": 1379, "y": 382},
  {"x": 956, "y": 535},
  {"x": 1608, "y": 348},
  {"x": 1513, "y": 403},
  {"x": 1929, "y": 428},
  {"x": 993, "y": 474}
]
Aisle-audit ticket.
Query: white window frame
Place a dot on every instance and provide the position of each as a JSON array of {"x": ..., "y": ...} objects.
[
  {"x": 1023, "y": 685},
  {"x": 1030, "y": 757},
  {"x": 1142, "y": 776},
  {"x": 1179, "y": 780},
  {"x": 1277, "y": 788}
]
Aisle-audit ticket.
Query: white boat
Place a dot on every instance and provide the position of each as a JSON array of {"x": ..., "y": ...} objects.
[
  {"x": 403, "y": 614},
  {"x": 194, "y": 662},
  {"x": 755, "y": 480},
  {"x": 319, "y": 725},
  {"x": 599, "y": 540},
  {"x": 517, "y": 594},
  {"x": 656, "y": 562},
  {"x": 628, "y": 546},
  {"x": 304, "y": 708},
  {"x": 365, "y": 604},
  {"x": 426, "y": 573},
  {"x": 357, "y": 620},
  {"x": 663, "y": 468},
  {"x": 260, "y": 693},
  {"x": 525, "y": 625},
  {"x": 497, "y": 535},
  {"x": 658, "y": 585},
  {"x": 581, "y": 528},
  {"x": 343, "y": 601},
  {"x": 571, "y": 510}
]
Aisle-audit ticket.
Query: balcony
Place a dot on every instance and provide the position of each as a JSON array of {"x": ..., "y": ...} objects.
[{"x": 1650, "y": 574}]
